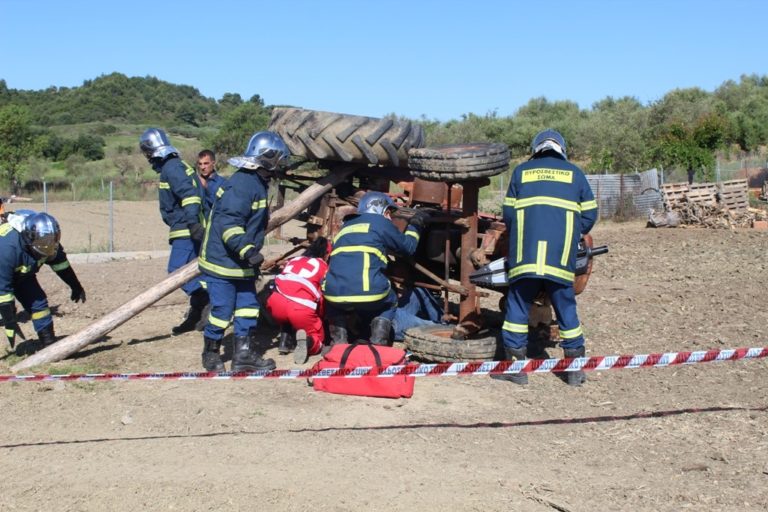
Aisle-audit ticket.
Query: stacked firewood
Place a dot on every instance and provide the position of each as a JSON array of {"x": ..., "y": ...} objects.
[{"x": 714, "y": 216}]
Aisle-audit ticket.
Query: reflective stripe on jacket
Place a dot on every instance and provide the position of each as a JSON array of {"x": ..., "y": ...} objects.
[
  {"x": 236, "y": 225},
  {"x": 181, "y": 197},
  {"x": 356, "y": 270},
  {"x": 548, "y": 206},
  {"x": 16, "y": 264}
]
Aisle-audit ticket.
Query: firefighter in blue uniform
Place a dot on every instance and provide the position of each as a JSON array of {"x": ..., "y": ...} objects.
[
  {"x": 230, "y": 257},
  {"x": 27, "y": 241},
  {"x": 181, "y": 207},
  {"x": 548, "y": 206},
  {"x": 356, "y": 279}
]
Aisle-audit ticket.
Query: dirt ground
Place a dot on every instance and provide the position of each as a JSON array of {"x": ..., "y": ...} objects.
[{"x": 660, "y": 439}]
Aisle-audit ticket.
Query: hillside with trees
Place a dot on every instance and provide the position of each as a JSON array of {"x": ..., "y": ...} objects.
[{"x": 89, "y": 132}]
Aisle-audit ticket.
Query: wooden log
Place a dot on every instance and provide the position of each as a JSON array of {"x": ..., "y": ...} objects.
[{"x": 110, "y": 321}]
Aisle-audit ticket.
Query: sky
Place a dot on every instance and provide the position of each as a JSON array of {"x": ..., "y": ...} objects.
[{"x": 437, "y": 60}]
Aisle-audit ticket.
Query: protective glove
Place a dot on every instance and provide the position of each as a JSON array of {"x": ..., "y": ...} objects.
[
  {"x": 419, "y": 219},
  {"x": 70, "y": 278},
  {"x": 196, "y": 232},
  {"x": 255, "y": 260},
  {"x": 8, "y": 313},
  {"x": 78, "y": 294}
]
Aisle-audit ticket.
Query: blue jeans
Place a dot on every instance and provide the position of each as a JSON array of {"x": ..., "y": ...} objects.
[{"x": 415, "y": 307}]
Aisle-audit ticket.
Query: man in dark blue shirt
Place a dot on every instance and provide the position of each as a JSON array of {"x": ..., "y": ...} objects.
[{"x": 209, "y": 178}]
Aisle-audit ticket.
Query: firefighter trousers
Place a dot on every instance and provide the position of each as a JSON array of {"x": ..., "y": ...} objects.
[
  {"x": 521, "y": 295},
  {"x": 231, "y": 298}
]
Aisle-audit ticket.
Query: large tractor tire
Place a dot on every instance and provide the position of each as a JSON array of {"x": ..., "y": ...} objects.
[
  {"x": 434, "y": 343},
  {"x": 459, "y": 162},
  {"x": 317, "y": 135}
]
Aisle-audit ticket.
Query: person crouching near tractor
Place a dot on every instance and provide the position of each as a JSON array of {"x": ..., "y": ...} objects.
[
  {"x": 296, "y": 303},
  {"x": 356, "y": 279},
  {"x": 548, "y": 207},
  {"x": 230, "y": 256},
  {"x": 27, "y": 241}
]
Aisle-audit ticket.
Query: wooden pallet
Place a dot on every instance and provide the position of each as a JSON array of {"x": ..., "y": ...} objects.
[
  {"x": 702, "y": 195},
  {"x": 734, "y": 185},
  {"x": 675, "y": 193},
  {"x": 735, "y": 200},
  {"x": 734, "y": 195}
]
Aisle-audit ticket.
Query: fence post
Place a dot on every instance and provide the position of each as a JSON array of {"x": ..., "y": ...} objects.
[
  {"x": 45, "y": 196},
  {"x": 111, "y": 220}
]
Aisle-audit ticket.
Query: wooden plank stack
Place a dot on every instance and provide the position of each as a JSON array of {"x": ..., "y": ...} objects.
[{"x": 712, "y": 205}]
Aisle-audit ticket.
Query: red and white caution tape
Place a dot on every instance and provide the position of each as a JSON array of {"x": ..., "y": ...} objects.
[{"x": 596, "y": 363}]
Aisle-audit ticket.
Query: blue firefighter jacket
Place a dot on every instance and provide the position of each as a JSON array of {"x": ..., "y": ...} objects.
[
  {"x": 181, "y": 197},
  {"x": 236, "y": 226},
  {"x": 548, "y": 206},
  {"x": 16, "y": 264},
  {"x": 356, "y": 270},
  {"x": 214, "y": 182}
]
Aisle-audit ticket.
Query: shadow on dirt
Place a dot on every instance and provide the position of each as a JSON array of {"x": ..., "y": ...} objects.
[{"x": 415, "y": 426}]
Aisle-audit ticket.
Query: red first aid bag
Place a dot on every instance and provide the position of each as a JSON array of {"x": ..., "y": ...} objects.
[{"x": 353, "y": 356}]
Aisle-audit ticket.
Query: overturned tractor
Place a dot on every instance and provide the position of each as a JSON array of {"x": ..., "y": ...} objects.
[{"x": 455, "y": 255}]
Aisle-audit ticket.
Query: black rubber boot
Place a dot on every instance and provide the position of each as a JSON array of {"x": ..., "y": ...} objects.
[
  {"x": 211, "y": 358},
  {"x": 514, "y": 354},
  {"x": 380, "y": 328},
  {"x": 245, "y": 358},
  {"x": 575, "y": 378},
  {"x": 46, "y": 336},
  {"x": 286, "y": 341},
  {"x": 303, "y": 342},
  {"x": 197, "y": 302},
  {"x": 338, "y": 333}
]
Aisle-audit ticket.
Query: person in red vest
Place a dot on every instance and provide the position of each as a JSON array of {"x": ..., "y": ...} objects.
[{"x": 297, "y": 301}]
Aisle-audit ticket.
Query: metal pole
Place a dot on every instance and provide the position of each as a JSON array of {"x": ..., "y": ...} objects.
[
  {"x": 111, "y": 220},
  {"x": 45, "y": 196}
]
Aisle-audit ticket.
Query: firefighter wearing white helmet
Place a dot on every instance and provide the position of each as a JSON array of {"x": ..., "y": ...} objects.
[
  {"x": 181, "y": 207},
  {"x": 356, "y": 279},
  {"x": 548, "y": 206},
  {"x": 27, "y": 241},
  {"x": 231, "y": 254}
]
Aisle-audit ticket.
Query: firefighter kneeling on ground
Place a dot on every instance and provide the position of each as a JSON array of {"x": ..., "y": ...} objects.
[
  {"x": 356, "y": 279},
  {"x": 296, "y": 303},
  {"x": 548, "y": 206},
  {"x": 27, "y": 241},
  {"x": 230, "y": 257}
]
